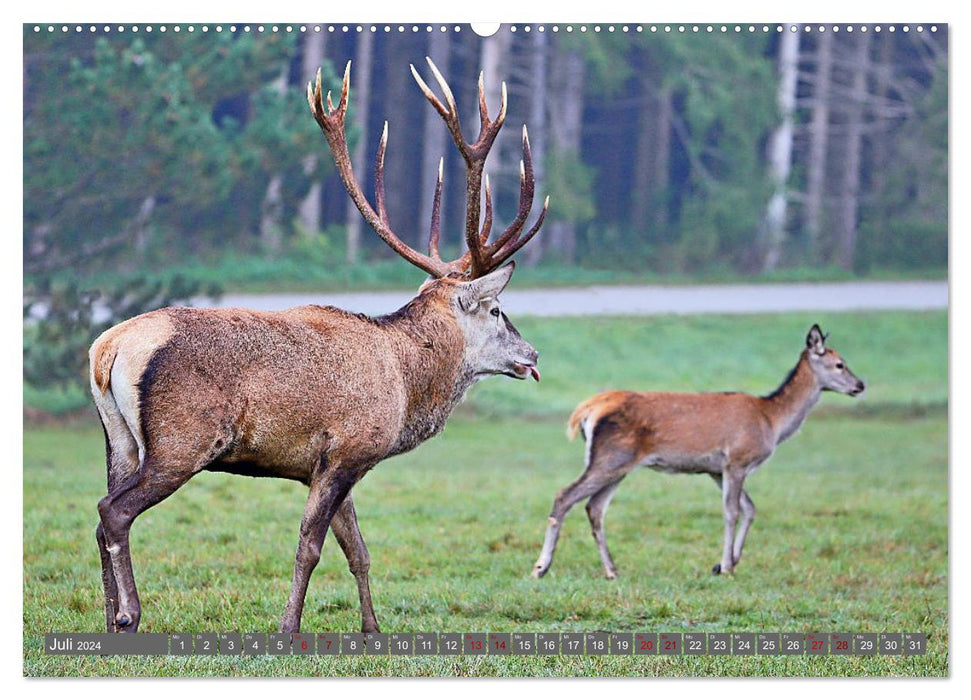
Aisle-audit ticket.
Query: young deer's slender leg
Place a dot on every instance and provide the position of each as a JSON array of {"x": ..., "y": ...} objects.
[
  {"x": 349, "y": 537},
  {"x": 748, "y": 515},
  {"x": 328, "y": 490},
  {"x": 603, "y": 469},
  {"x": 731, "y": 485},
  {"x": 150, "y": 485},
  {"x": 596, "y": 510}
]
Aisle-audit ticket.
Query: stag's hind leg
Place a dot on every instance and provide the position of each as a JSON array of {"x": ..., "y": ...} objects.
[
  {"x": 152, "y": 483},
  {"x": 349, "y": 537},
  {"x": 107, "y": 579},
  {"x": 121, "y": 456}
]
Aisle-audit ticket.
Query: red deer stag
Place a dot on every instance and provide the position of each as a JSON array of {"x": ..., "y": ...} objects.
[
  {"x": 726, "y": 436},
  {"x": 314, "y": 394}
]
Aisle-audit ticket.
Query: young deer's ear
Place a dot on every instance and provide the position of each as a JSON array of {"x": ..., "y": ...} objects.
[
  {"x": 815, "y": 340},
  {"x": 488, "y": 286}
]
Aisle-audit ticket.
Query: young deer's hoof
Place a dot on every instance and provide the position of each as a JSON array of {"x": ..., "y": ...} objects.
[
  {"x": 717, "y": 569},
  {"x": 123, "y": 620},
  {"x": 611, "y": 575},
  {"x": 539, "y": 571}
]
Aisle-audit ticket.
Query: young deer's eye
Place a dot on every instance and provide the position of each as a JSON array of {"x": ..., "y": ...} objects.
[
  {"x": 839, "y": 365},
  {"x": 495, "y": 311}
]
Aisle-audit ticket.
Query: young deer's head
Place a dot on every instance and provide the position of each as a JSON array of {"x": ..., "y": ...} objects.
[
  {"x": 472, "y": 282},
  {"x": 830, "y": 370}
]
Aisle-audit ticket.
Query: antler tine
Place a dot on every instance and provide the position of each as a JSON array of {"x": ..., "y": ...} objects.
[
  {"x": 429, "y": 95},
  {"x": 448, "y": 111},
  {"x": 345, "y": 88},
  {"x": 515, "y": 245},
  {"x": 487, "y": 222},
  {"x": 483, "y": 108},
  {"x": 331, "y": 122},
  {"x": 379, "y": 177},
  {"x": 526, "y": 189},
  {"x": 435, "y": 233},
  {"x": 449, "y": 98}
]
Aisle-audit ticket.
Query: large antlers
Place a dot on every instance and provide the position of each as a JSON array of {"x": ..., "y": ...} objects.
[{"x": 482, "y": 256}]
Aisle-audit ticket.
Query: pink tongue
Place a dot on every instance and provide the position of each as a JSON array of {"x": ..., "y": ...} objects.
[{"x": 534, "y": 372}]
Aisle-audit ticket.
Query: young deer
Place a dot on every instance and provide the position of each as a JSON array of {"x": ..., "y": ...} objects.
[
  {"x": 726, "y": 436},
  {"x": 314, "y": 394}
]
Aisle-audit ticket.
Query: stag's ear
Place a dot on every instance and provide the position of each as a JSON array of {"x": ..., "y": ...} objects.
[
  {"x": 488, "y": 286},
  {"x": 815, "y": 340}
]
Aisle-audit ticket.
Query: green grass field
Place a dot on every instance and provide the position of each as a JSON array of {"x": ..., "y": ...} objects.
[{"x": 851, "y": 535}]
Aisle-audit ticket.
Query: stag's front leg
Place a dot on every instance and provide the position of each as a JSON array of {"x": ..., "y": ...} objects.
[
  {"x": 349, "y": 537},
  {"x": 731, "y": 484},
  {"x": 327, "y": 491}
]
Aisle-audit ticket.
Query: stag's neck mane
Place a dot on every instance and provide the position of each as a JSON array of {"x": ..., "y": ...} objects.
[
  {"x": 789, "y": 405},
  {"x": 430, "y": 348}
]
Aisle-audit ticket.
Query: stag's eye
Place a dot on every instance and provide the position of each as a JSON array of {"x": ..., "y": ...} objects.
[
  {"x": 495, "y": 311},
  {"x": 839, "y": 365}
]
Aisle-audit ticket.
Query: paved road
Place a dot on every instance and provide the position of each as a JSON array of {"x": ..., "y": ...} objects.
[{"x": 643, "y": 300}]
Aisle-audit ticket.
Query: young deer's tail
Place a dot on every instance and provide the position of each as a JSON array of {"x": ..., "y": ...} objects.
[{"x": 585, "y": 410}]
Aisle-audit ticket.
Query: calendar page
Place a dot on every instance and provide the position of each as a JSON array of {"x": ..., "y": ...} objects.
[{"x": 512, "y": 350}]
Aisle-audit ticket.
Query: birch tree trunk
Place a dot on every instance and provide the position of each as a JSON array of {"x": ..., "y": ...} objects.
[
  {"x": 309, "y": 212},
  {"x": 651, "y": 167},
  {"x": 566, "y": 78},
  {"x": 271, "y": 210},
  {"x": 780, "y": 149},
  {"x": 881, "y": 141},
  {"x": 539, "y": 46},
  {"x": 362, "y": 94},
  {"x": 494, "y": 59},
  {"x": 849, "y": 202},
  {"x": 818, "y": 148}
]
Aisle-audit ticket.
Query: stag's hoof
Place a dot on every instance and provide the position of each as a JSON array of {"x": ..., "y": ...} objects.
[
  {"x": 539, "y": 571},
  {"x": 716, "y": 569},
  {"x": 611, "y": 575},
  {"x": 122, "y": 620}
]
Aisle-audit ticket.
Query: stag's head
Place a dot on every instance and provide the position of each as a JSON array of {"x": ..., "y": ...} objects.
[
  {"x": 470, "y": 284},
  {"x": 831, "y": 370}
]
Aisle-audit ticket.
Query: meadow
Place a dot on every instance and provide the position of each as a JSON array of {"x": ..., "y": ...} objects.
[{"x": 851, "y": 533}]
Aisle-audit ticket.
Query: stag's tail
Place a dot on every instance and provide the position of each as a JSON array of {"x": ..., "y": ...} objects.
[
  {"x": 117, "y": 361},
  {"x": 101, "y": 358}
]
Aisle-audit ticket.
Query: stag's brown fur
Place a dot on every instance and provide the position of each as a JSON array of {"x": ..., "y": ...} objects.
[
  {"x": 726, "y": 436},
  {"x": 321, "y": 369}
]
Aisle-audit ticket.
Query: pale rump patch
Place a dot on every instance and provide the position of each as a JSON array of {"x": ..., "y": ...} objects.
[{"x": 118, "y": 359}]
